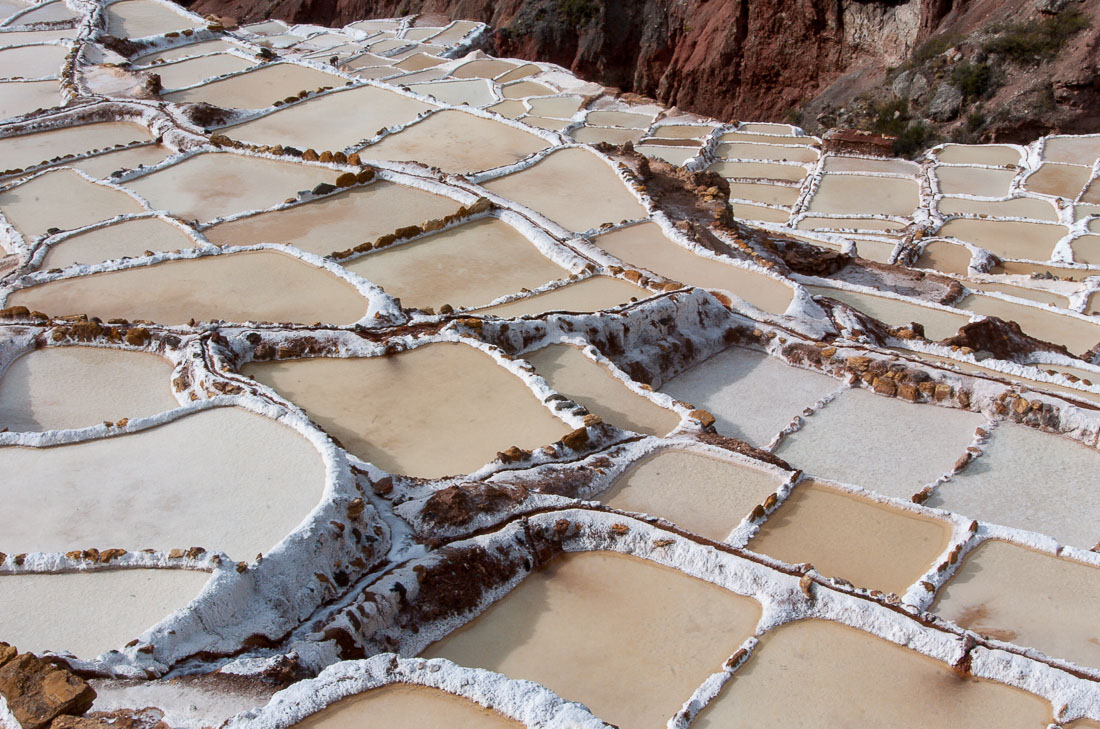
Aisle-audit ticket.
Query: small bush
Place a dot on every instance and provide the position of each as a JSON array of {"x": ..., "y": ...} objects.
[
  {"x": 932, "y": 47},
  {"x": 578, "y": 12},
  {"x": 891, "y": 117},
  {"x": 912, "y": 140},
  {"x": 974, "y": 80},
  {"x": 1031, "y": 43}
]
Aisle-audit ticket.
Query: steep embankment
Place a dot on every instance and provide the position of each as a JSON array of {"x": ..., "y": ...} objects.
[{"x": 819, "y": 62}]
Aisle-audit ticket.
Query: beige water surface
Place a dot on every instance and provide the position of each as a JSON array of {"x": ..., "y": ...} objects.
[
  {"x": 213, "y": 185},
  {"x": 141, "y": 18},
  {"x": 23, "y": 97},
  {"x": 577, "y": 627},
  {"x": 1017, "y": 207},
  {"x": 978, "y": 154},
  {"x": 130, "y": 238},
  {"x": 568, "y": 371},
  {"x": 869, "y": 544},
  {"x": 406, "y": 706},
  {"x": 31, "y": 61},
  {"x": 339, "y": 221},
  {"x": 194, "y": 70},
  {"x": 592, "y": 294},
  {"x": 438, "y": 410},
  {"x": 26, "y": 150},
  {"x": 92, "y": 612},
  {"x": 334, "y": 121},
  {"x": 466, "y": 266},
  {"x": 1059, "y": 179},
  {"x": 646, "y": 245},
  {"x": 881, "y": 443},
  {"x": 32, "y": 206},
  {"x": 938, "y": 324},
  {"x": 847, "y": 678},
  {"x": 455, "y": 142},
  {"x": 700, "y": 493},
  {"x": 260, "y": 88},
  {"x": 255, "y": 482},
  {"x": 50, "y": 389},
  {"x": 752, "y": 396},
  {"x": 249, "y": 286},
  {"x": 572, "y": 187},
  {"x": 979, "y": 181},
  {"x": 1012, "y": 593},
  {"x": 1030, "y": 480},
  {"x": 853, "y": 194}
]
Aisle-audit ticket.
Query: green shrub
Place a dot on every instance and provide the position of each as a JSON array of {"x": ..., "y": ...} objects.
[
  {"x": 974, "y": 80},
  {"x": 1031, "y": 43},
  {"x": 932, "y": 47},
  {"x": 912, "y": 140},
  {"x": 891, "y": 117},
  {"x": 578, "y": 12}
]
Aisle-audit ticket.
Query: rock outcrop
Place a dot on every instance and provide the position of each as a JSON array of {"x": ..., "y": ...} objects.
[{"x": 821, "y": 64}]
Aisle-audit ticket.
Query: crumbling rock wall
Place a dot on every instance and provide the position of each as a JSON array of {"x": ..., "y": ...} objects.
[{"x": 726, "y": 58}]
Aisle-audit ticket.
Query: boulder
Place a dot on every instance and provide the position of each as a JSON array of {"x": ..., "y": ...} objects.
[
  {"x": 946, "y": 103},
  {"x": 37, "y": 692}
]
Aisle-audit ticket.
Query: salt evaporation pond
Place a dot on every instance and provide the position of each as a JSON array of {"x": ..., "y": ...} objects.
[
  {"x": 751, "y": 395},
  {"x": 978, "y": 154},
  {"x": 130, "y": 238},
  {"x": 474, "y": 92},
  {"x": 449, "y": 140},
  {"x": 848, "y": 678},
  {"x": 595, "y": 135},
  {"x": 700, "y": 493},
  {"x": 871, "y": 545},
  {"x": 1059, "y": 180},
  {"x": 459, "y": 266},
  {"x": 209, "y": 186},
  {"x": 103, "y": 166},
  {"x": 592, "y": 294},
  {"x": 31, "y": 61},
  {"x": 421, "y": 420},
  {"x": 550, "y": 187},
  {"x": 647, "y": 246},
  {"x": 32, "y": 209},
  {"x": 50, "y": 388},
  {"x": 26, "y": 150},
  {"x": 863, "y": 164},
  {"x": 254, "y": 482},
  {"x": 1014, "y": 594},
  {"x": 18, "y": 98},
  {"x": 1017, "y": 207},
  {"x": 880, "y": 443},
  {"x": 336, "y": 222},
  {"x": 946, "y": 257},
  {"x": 853, "y": 194},
  {"x": 195, "y": 70},
  {"x": 569, "y": 372},
  {"x": 406, "y": 706},
  {"x": 763, "y": 193},
  {"x": 235, "y": 287},
  {"x": 1029, "y": 480},
  {"x": 258, "y": 89},
  {"x": 979, "y": 181},
  {"x": 750, "y": 150},
  {"x": 332, "y": 122},
  {"x": 567, "y": 628},
  {"x": 89, "y": 613},
  {"x": 938, "y": 324},
  {"x": 140, "y": 18},
  {"x": 1078, "y": 335},
  {"x": 1007, "y": 238}
]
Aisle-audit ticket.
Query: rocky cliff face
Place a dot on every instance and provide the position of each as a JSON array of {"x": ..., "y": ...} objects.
[{"x": 820, "y": 62}]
